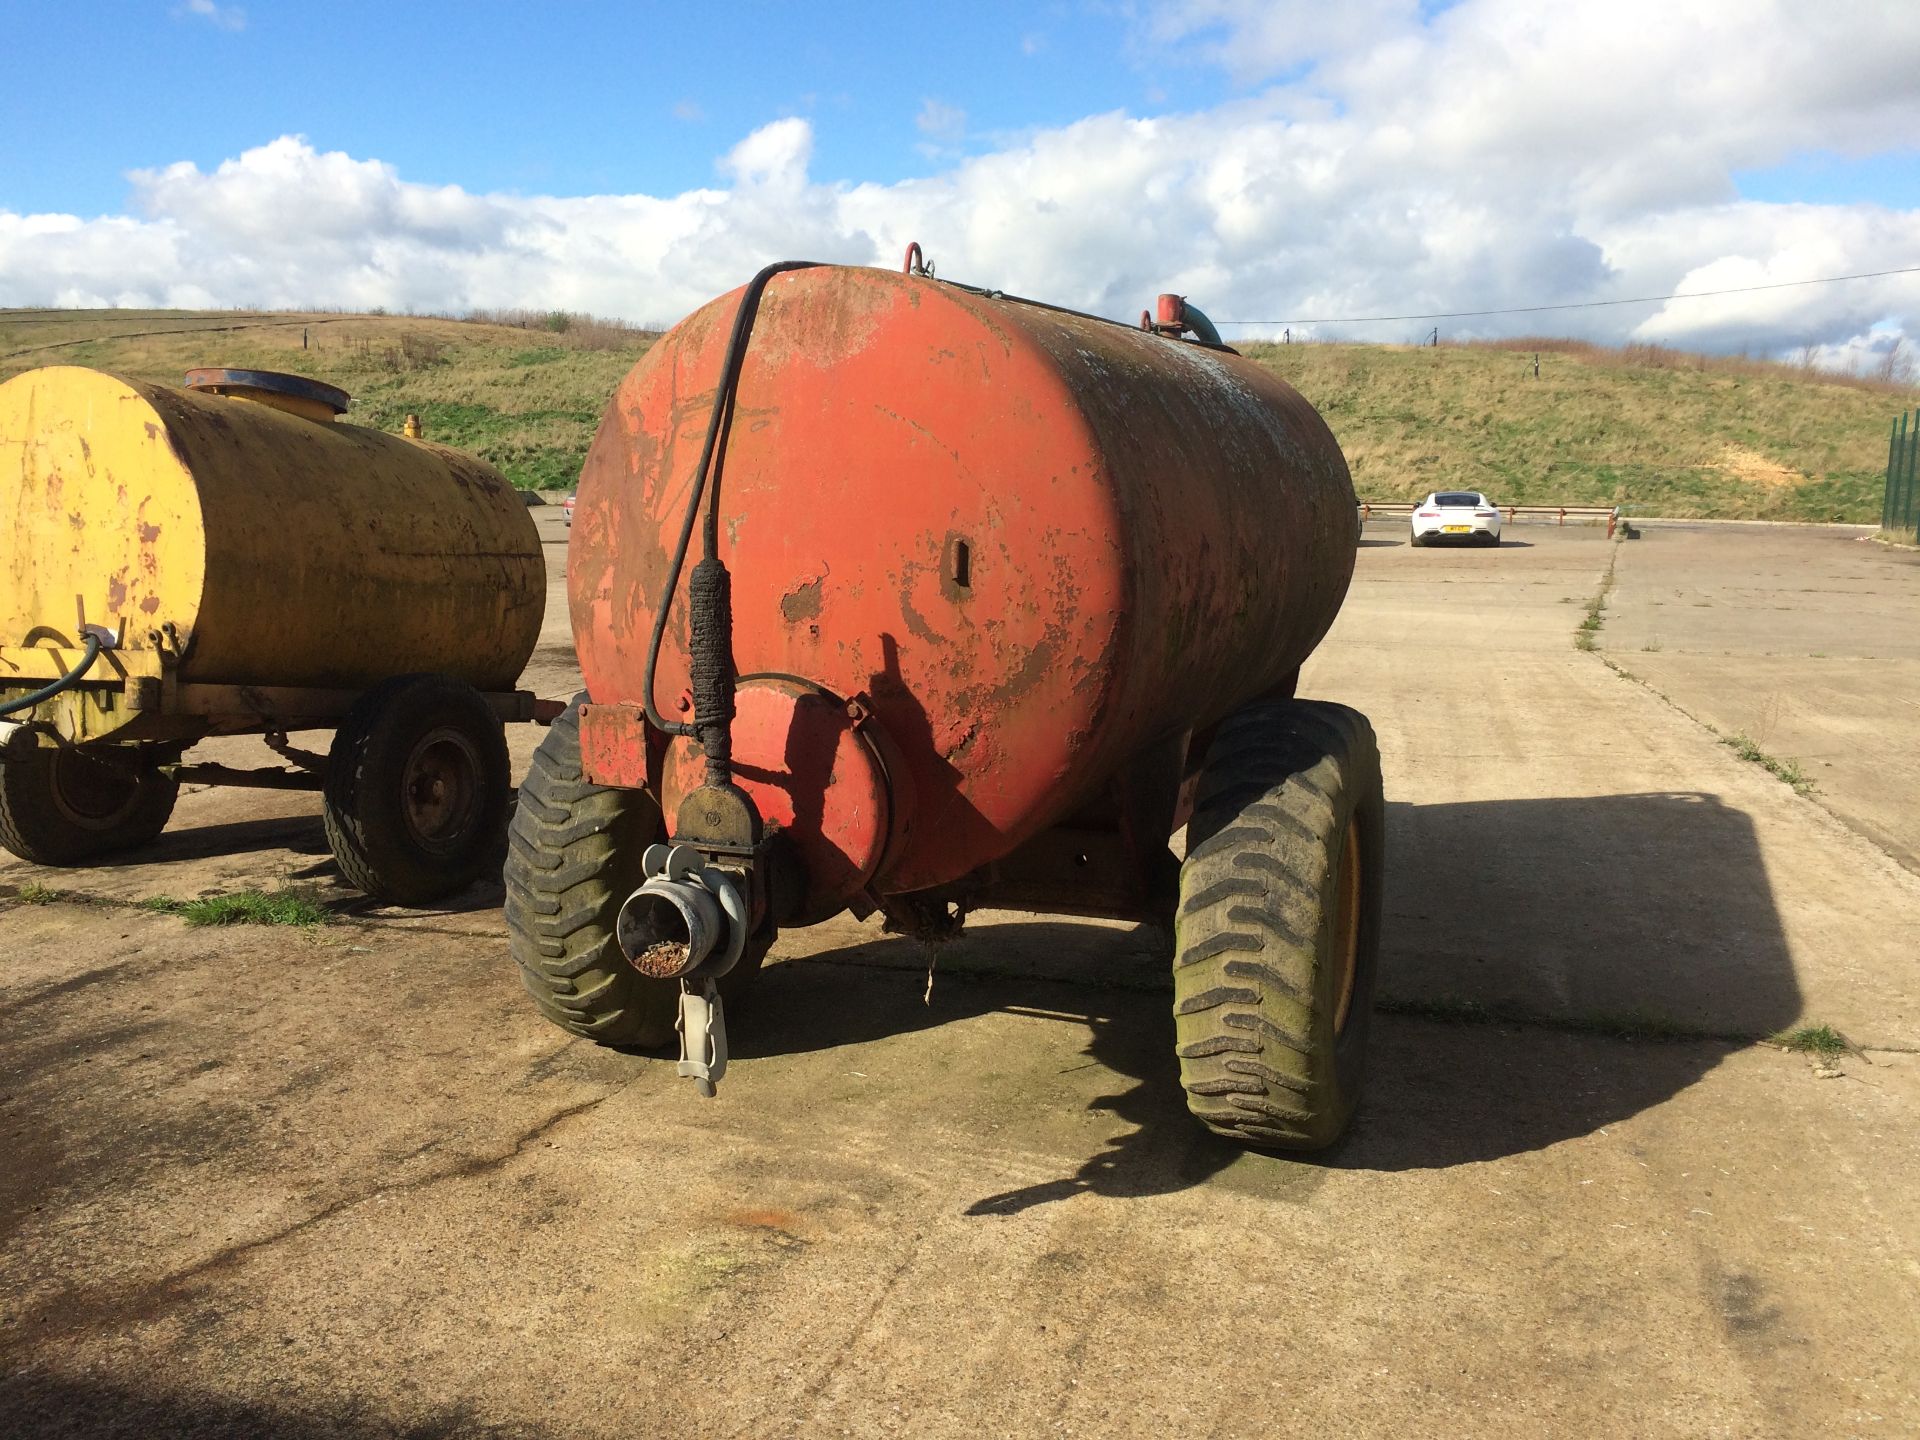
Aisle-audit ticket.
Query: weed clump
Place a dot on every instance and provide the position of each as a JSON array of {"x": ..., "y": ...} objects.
[
  {"x": 1788, "y": 772},
  {"x": 1821, "y": 1040},
  {"x": 245, "y": 907}
]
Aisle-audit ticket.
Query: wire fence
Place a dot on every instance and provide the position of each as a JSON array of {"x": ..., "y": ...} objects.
[{"x": 1900, "y": 512}]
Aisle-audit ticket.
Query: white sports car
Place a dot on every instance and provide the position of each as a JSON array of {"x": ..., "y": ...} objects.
[{"x": 1456, "y": 515}]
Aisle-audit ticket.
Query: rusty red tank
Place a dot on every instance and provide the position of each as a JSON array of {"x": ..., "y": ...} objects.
[{"x": 998, "y": 571}]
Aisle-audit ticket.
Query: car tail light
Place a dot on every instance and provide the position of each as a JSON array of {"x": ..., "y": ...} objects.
[
  {"x": 1486, "y": 512},
  {"x": 1428, "y": 514}
]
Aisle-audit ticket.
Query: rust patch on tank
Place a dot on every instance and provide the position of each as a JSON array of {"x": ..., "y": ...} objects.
[{"x": 802, "y": 602}]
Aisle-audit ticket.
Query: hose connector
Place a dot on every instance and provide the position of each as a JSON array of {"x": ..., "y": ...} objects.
[
  {"x": 685, "y": 917},
  {"x": 688, "y": 923}
]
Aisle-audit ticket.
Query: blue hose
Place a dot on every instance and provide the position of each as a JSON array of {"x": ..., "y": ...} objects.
[{"x": 65, "y": 682}]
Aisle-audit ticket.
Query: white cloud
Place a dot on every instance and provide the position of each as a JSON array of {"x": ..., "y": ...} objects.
[
  {"x": 224, "y": 17},
  {"x": 1500, "y": 153},
  {"x": 939, "y": 121}
]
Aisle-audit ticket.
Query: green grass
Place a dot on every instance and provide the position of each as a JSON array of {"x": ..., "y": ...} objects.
[
  {"x": 1786, "y": 771},
  {"x": 34, "y": 893},
  {"x": 245, "y": 907},
  {"x": 1821, "y": 1040},
  {"x": 1654, "y": 431}
]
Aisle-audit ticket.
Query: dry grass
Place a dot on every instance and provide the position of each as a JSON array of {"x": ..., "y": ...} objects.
[
  {"x": 525, "y": 397},
  {"x": 1658, "y": 431}
]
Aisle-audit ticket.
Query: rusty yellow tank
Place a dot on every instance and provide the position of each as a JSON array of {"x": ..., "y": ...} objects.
[{"x": 239, "y": 529}]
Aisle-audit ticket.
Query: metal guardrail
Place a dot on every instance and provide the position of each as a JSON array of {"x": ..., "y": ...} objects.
[
  {"x": 1609, "y": 513},
  {"x": 1900, "y": 510}
]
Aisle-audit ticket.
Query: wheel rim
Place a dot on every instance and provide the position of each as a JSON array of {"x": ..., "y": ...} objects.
[
  {"x": 1346, "y": 925},
  {"x": 440, "y": 790},
  {"x": 90, "y": 793}
]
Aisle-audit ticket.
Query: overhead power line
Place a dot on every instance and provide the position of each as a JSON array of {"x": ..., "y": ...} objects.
[{"x": 1580, "y": 304}]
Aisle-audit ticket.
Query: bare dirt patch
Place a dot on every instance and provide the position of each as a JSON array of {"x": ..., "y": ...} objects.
[{"x": 1752, "y": 468}]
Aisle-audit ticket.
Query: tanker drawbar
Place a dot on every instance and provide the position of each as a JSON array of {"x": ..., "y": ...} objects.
[{"x": 895, "y": 595}]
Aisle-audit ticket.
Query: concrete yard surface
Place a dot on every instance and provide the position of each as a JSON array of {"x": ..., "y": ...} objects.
[
  {"x": 1804, "y": 641},
  {"x": 345, "y": 1182}
]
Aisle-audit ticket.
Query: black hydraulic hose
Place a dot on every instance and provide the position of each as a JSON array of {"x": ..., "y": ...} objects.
[
  {"x": 716, "y": 627},
  {"x": 91, "y": 653}
]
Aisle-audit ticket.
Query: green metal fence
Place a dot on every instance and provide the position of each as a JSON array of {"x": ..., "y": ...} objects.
[{"x": 1900, "y": 513}]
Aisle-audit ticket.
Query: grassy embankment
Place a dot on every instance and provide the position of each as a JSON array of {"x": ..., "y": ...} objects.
[{"x": 1659, "y": 432}]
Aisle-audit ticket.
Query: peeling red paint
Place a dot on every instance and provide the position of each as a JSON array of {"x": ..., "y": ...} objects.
[{"x": 1154, "y": 534}]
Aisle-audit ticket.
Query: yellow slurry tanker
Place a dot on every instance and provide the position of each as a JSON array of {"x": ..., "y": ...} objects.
[{"x": 229, "y": 558}]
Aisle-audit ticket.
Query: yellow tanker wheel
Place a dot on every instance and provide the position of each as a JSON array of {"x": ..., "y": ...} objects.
[
  {"x": 65, "y": 806},
  {"x": 1278, "y": 933},
  {"x": 417, "y": 789}
]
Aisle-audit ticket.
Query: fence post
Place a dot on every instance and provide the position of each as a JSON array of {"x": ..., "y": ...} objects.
[
  {"x": 1900, "y": 473},
  {"x": 1907, "y": 481},
  {"x": 1893, "y": 453},
  {"x": 1911, "y": 493}
]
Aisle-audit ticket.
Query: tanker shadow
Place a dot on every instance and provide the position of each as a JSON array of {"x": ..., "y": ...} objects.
[
  {"x": 297, "y": 834},
  {"x": 43, "y": 1405},
  {"x": 1549, "y": 967}
]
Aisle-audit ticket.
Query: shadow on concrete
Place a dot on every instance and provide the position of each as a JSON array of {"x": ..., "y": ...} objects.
[
  {"x": 1549, "y": 967},
  {"x": 299, "y": 834},
  {"x": 66, "y": 1407}
]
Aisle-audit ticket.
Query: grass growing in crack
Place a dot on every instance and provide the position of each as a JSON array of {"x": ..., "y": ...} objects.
[
  {"x": 1788, "y": 772},
  {"x": 1821, "y": 1040},
  {"x": 34, "y": 893},
  {"x": 246, "y": 907},
  {"x": 1587, "y": 637}
]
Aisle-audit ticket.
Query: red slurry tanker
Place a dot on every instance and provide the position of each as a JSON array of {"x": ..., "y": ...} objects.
[{"x": 901, "y": 595}]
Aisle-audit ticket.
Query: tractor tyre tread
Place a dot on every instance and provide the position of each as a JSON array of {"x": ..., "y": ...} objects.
[
  {"x": 1256, "y": 984},
  {"x": 573, "y": 857}
]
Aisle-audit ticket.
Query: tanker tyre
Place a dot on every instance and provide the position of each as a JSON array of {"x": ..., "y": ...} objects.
[
  {"x": 573, "y": 858},
  {"x": 1277, "y": 936},
  {"x": 63, "y": 807},
  {"x": 416, "y": 790}
]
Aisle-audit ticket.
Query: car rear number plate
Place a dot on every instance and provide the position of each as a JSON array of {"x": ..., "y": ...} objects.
[{"x": 1455, "y": 529}]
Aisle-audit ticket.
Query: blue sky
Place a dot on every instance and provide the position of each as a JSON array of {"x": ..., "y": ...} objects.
[
  {"x": 559, "y": 99},
  {"x": 1269, "y": 157}
]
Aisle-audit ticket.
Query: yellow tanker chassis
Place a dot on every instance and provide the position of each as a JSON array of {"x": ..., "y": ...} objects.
[{"x": 140, "y": 700}]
